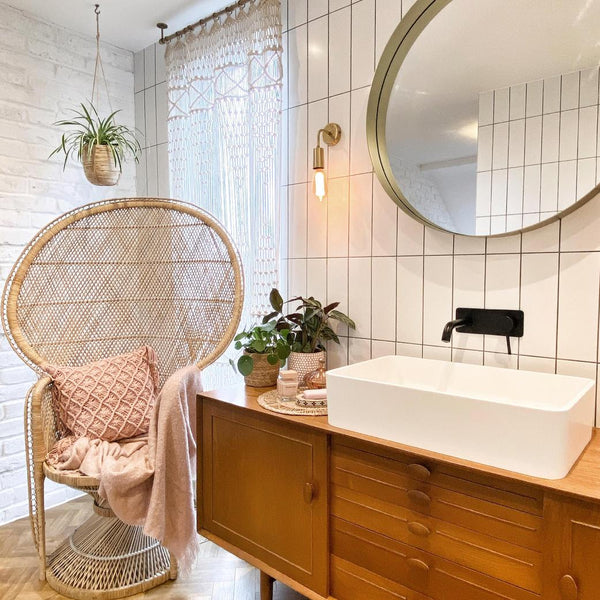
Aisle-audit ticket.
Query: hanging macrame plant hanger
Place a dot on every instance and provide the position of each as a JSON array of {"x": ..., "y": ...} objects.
[{"x": 99, "y": 165}]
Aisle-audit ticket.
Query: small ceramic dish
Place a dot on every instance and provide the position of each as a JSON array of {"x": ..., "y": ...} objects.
[{"x": 309, "y": 403}]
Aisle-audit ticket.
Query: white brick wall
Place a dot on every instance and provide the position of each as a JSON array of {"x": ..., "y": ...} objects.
[{"x": 44, "y": 70}]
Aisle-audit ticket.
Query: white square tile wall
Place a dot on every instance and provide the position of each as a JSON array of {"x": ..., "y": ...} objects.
[
  {"x": 52, "y": 68},
  {"x": 399, "y": 280}
]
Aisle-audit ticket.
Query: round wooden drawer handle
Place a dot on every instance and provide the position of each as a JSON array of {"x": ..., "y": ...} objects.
[
  {"x": 419, "y": 529},
  {"x": 419, "y": 497},
  {"x": 419, "y": 471},
  {"x": 568, "y": 588},
  {"x": 415, "y": 563}
]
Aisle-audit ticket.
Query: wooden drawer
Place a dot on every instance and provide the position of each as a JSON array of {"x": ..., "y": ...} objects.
[
  {"x": 498, "y": 558},
  {"x": 399, "y": 472},
  {"x": 465, "y": 503},
  {"x": 426, "y": 573},
  {"x": 351, "y": 582},
  {"x": 497, "y": 532}
]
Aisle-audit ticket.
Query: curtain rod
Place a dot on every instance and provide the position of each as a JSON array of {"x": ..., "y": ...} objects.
[{"x": 228, "y": 9}]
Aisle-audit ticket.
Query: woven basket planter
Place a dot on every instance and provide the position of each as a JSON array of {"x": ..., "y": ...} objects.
[
  {"x": 305, "y": 362},
  {"x": 99, "y": 166},
  {"x": 263, "y": 374}
]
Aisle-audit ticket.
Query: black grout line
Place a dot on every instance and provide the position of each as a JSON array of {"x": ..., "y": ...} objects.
[
  {"x": 597, "y": 356},
  {"x": 558, "y": 296},
  {"x": 349, "y": 91},
  {"x": 452, "y": 282},
  {"x": 577, "y": 136},
  {"x": 306, "y": 192},
  {"x": 350, "y": 152},
  {"x": 520, "y": 290},
  {"x": 423, "y": 292}
]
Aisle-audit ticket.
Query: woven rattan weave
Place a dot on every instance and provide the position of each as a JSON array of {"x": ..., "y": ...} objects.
[{"x": 102, "y": 280}]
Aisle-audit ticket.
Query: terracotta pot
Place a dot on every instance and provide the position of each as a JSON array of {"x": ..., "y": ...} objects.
[
  {"x": 263, "y": 374},
  {"x": 305, "y": 362},
  {"x": 99, "y": 166}
]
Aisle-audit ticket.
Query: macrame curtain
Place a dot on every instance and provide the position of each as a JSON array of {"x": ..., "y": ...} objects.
[{"x": 224, "y": 87}]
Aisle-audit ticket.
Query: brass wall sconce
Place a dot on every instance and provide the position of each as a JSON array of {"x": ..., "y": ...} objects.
[{"x": 330, "y": 134}]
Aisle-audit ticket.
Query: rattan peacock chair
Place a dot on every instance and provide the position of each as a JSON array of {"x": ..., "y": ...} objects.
[{"x": 103, "y": 280}]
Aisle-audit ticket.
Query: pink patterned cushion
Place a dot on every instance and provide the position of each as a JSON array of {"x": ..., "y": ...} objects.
[{"x": 110, "y": 399}]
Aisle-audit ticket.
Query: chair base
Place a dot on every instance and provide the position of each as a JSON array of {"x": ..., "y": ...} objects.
[{"x": 106, "y": 559}]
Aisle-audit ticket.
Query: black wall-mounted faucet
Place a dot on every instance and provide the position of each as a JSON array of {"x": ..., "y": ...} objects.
[
  {"x": 451, "y": 326},
  {"x": 485, "y": 321}
]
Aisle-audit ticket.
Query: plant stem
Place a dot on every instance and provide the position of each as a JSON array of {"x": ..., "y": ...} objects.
[{"x": 317, "y": 335}]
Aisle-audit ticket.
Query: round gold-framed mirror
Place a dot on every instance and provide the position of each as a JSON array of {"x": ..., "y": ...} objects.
[{"x": 483, "y": 116}]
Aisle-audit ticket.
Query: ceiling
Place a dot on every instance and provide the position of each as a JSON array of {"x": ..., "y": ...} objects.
[{"x": 128, "y": 24}]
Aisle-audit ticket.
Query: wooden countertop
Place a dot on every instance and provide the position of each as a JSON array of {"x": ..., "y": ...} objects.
[{"x": 583, "y": 481}]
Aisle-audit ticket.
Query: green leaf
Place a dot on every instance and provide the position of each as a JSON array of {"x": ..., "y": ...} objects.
[
  {"x": 295, "y": 318},
  {"x": 310, "y": 313},
  {"x": 328, "y": 334},
  {"x": 276, "y": 300},
  {"x": 238, "y": 345},
  {"x": 245, "y": 364},
  {"x": 270, "y": 316},
  {"x": 338, "y": 316},
  {"x": 283, "y": 351},
  {"x": 259, "y": 346},
  {"x": 272, "y": 359}
]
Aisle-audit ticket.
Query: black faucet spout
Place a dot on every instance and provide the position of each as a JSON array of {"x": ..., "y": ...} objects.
[{"x": 451, "y": 326}]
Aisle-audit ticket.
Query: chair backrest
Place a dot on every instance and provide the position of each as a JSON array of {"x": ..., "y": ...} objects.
[{"x": 111, "y": 276}]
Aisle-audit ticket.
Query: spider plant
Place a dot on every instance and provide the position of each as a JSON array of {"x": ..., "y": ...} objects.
[{"x": 88, "y": 130}]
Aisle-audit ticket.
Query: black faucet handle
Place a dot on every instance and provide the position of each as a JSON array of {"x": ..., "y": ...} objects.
[{"x": 510, "y": 324}]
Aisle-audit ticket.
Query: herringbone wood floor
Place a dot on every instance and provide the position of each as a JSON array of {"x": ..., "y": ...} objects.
[{"x": 217, "y": 575}]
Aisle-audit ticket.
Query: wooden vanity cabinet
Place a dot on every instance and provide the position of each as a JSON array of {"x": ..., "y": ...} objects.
[
  {"x": 264, "y": 491},
  {"x": 573, "y": 559},
  {"x": 341, "y": 516}
]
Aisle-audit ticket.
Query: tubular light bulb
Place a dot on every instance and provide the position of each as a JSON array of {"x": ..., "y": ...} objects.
[{"x": 320, "y": 184}]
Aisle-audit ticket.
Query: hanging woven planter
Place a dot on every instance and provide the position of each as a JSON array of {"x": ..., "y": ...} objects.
[
  {"x": 101, "y": 144},
  {"x": 99, "y": 166}
]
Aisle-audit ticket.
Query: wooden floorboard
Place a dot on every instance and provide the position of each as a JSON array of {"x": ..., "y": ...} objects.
[{"x": 217, "y": 575}]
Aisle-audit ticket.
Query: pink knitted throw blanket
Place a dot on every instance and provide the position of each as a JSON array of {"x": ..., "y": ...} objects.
[{"x": 148, "y": 480}]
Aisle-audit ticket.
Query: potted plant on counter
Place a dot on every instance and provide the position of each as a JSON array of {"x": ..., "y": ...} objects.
[
  {"x": 309, "y": 329},
  {"x": 265, "y": 349},
  {"x": 101, "y": 145}
]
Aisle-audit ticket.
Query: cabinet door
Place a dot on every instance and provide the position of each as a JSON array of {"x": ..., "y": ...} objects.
[
  {"x": 264, "y": 490},
  {"x": 572, "y": 550}
]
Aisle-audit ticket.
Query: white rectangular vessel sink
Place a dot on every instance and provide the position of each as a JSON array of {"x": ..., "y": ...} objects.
[{"x": 532, "y": 423}]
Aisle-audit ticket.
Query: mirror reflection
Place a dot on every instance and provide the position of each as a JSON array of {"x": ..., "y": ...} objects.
[{"x": 492, "y": 121}]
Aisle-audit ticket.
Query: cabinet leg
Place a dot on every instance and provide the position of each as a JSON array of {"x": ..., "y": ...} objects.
[{"x": 266, "y": 586}]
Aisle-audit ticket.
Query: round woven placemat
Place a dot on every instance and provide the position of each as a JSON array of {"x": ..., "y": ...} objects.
[{"x": 270, "y": 401}]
